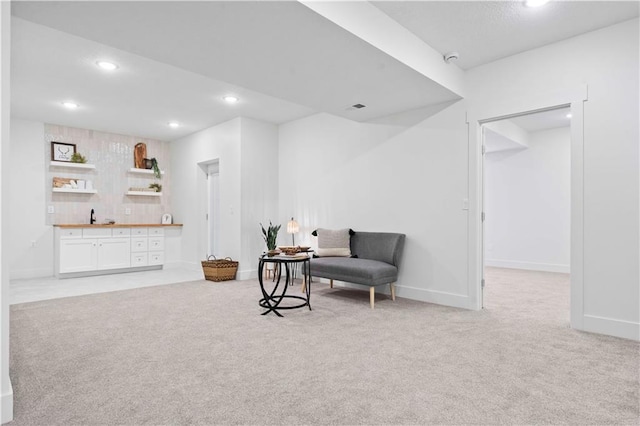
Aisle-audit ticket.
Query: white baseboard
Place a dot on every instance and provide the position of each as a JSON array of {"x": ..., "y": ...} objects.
[
  {"x": 25, "y": 274},
  {"x": 421, "y": 294},
  {"x": 531, "y": 266},
  {"x": 7, "y": 406},
  {"x": 189, "y": 266},
  {"x": 612, "y": 327},
  {"x": 247, "y": 274},
  {"x": 433, "y": 296}
]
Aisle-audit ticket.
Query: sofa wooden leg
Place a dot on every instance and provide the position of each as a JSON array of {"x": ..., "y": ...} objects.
[
  {"x": 393, "y": 291},
  {"x": 330, "y": 283},
  {"x": 372, "y": 295}
]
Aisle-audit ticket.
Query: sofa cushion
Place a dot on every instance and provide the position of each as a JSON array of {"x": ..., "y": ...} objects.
[
  {"x": 334, "y": 242},
  {"x": 353, "y": 270}
]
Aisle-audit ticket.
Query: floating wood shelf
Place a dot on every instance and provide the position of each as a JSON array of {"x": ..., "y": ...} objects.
[
  {"x": 145, "y": 193},
  {"x": 70, "y": 165},
  {"x": 143, "y": 171},
  {"x": 75, "y": 191}
]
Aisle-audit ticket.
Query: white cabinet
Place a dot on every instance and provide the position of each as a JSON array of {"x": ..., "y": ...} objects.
[
  {"x": 156, "y": 258},
  {"x": 95, "y": 249},
  {"x": 139, "y": 259},
  {"x": 78, "y": 255},
  {"x": 139, "y": 244},
  {"x": 114, "y": 253}
]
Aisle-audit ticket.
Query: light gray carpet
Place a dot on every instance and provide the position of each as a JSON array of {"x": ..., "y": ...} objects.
[{"x": 201, "y": 353}]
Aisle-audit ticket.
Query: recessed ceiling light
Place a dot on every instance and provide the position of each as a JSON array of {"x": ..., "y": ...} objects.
[
  {"x": 569, "y": 115},
  {"x": 109, "y": 66},
  {"x": 174, "y": 124},
  {"x": 231, "y": 99},
  {"x": 70, "y": 105},
  {"x": 535, "y": 3}
]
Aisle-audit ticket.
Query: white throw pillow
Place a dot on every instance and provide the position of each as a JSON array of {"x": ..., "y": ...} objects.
[{"x": 334, "y": 243}]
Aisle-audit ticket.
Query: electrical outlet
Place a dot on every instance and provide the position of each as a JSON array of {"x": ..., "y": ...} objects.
[
  {"x": 33, "y": 243},
  {"x": 127, "y": 211},
  {"x": 50, "y": 210}
]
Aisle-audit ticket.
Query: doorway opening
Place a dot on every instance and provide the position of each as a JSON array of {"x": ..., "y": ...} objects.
[
  {"x": 213, "y": 209},
  {"x": 526, "y": 204}
]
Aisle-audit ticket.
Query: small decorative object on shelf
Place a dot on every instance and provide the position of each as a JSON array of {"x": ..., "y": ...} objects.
[
  {"x": 156, "y": 187},
  {"x": 78, "y": 158},
  {"x": 61, "y": 151},
  {"x": 139, "y": 155},
  {"x": 152, "y": 163},
  {"x": 270, "y": 237}
]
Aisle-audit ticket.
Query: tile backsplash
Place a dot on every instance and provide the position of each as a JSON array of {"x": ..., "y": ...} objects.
[{"x": 112, "y": 155}]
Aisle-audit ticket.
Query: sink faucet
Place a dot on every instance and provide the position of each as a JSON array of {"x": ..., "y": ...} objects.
[{"x": 93, "y": 217}]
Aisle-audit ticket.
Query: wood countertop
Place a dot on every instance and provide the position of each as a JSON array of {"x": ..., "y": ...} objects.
[{"x": 117, "y": 225}]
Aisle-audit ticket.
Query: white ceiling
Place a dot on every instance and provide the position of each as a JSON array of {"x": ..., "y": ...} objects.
[
  {"x": 139, "y": 98},
  {"x": 545, "y": 120},
  {"x": 284, "y": 61},
  {"x": 484, "y": 31}
]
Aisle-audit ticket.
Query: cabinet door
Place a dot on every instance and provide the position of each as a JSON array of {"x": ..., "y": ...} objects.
[
  {"x": 156, "y": 258},
  {"x": 114, "y": 253},
  {"x": 78, "y": 255},
  {"x": 139, "y": 259},
  {"x": 156, "y": 243},
  {"x": 139, "y": 244}
]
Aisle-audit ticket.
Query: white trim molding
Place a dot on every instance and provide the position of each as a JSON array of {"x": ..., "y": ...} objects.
[
  {"x": 478, "y": 116},
  {"x": 612, "y": 327},
  {"x": 25, "y": 274},
  {"x": 530, "y": 266},
  {"x": 7, "y": 405},
  {"x": 433, "y": 296},
  {"x": 246, "y": 274}
]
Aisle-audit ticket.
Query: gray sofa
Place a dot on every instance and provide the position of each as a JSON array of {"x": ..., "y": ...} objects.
[{"x": 378, "y": 254}]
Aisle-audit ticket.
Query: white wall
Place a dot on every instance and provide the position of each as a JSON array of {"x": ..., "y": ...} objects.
[
  {"x": 247, "y": 153},
  {"x": 31, "y": 233},
  {"x": 402, "y": 174},
  {"x": 189, "y": 204},
  {"x": 259, "y": 188},
  {"x": 6, "y": 391},
  {"x": 31, "y": 238},
  {"x": 527, "y": 204},
  {"x": 606, "y": 61},
  {"x": 112, "y": 156}
]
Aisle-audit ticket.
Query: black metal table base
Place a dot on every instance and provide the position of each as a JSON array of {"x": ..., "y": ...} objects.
[{"x": 271, "y": 300}]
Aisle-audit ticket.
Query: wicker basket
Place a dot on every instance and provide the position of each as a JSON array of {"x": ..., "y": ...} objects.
[{"x": 219, "y": 269}]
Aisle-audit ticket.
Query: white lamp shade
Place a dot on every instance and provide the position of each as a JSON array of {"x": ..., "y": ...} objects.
[{"x": 292, "y": 227}]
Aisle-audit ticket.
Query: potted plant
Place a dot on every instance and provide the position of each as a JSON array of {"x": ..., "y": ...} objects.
[
  {"x": 78, "y": 158},
  {"x": 270, "y": 236},
  {"x": 152, "y": 163},
  {"x": 156, "y": 187}
]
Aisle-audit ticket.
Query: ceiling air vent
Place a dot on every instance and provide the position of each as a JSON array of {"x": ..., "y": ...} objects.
[{"x": 358, "y": 106}]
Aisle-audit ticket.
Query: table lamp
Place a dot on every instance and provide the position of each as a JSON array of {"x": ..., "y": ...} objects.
[{"x": 292, "y": 228}]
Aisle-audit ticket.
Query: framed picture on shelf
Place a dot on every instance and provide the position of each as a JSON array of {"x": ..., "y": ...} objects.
[{"x": 61, "y": 151}]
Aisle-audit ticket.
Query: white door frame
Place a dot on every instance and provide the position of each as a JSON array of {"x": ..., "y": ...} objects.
[
  {"x": 202, "y": 190},
  {"x": 476, "y": 118},
  {"x": 213, "y": 210}
]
